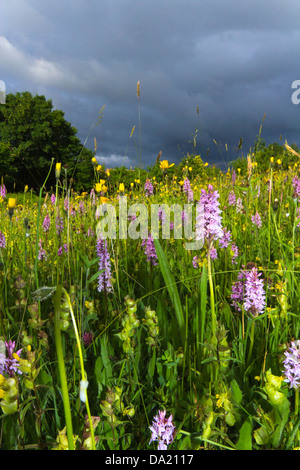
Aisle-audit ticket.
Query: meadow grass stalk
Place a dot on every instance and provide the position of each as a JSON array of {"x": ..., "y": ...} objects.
[
  {"x": 83, "y": 373},
  {"x": 61, "y": 367},
  {"x": 38, "y": 226},
  {"x": 212, "y": 298}
]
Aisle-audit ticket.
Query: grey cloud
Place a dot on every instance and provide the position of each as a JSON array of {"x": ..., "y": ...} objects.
[{"x": 234, "y": 60}]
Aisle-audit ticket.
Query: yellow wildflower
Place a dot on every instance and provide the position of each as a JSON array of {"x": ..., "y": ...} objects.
[
  {"x": 57, "y": 170},
  {"x": 12, "y": 202},
  {"x": 164, "y": 165}
]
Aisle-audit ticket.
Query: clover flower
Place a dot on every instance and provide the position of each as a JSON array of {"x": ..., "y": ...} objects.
[
  {"x": 292, "y": 365},
  {"x": 104, "y": 279},
  {"x": 87, "y": 338},
  {"x": 162, "y": 430}
]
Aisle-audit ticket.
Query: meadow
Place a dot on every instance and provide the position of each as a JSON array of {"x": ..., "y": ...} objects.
[{"x": 123, "y": 344}]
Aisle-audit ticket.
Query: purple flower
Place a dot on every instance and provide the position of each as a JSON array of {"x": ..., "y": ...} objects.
[
  {"x": 42, "y": 253},
  {"x": 66, "y": 203},
  {"x": 235, "y": 253},
  {"x": 188, "y": 190},
  {"x": 46, "y": 223},
  {"x": 2, "y": 240},
  {"x": 3, "y": 191},
  {"x": 93, "y": 196},
  {"x": 209, "y": 203},
  {"x": 238, "y": 290},
  {"x": 87, "y": 338},
  {"x": 81, "y": 209},
  {"x": 150, "y": 251},
  {"x": 233, "y": 178},
  {"x": 53, "y": 199},
  {"x": 256, "y": 219},
  {"x": 255, "y": 297},
  {"x": 231, "y": 198},
  {"x": 213, "y": 253},
  {"x": 162, "y": 430},
  {"x": 296, "y": 187},
  {"x": 292, "y": 365},
  {"x": 225, "y": 240},
  {"x": 148, "y": 188},
  {"x": 195, "y": 262},
  {"x": 239, "y": 205},
  {"x": 59, "y": 225},
  {"x": 104, "y": 279},
  {"x": 10, "y": 365}
]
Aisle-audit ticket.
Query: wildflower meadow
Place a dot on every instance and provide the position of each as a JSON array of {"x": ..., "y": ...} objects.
[{"x": 180, "y": 331}]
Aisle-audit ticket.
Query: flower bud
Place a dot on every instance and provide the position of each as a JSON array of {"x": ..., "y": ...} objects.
[{"x": 57, "y": 170}]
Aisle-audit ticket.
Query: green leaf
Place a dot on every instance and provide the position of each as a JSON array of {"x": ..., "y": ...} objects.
[
  {"x": 236, "y": 392},
  {"x": 261, "y": 436},
  {"x": 171, "y": 286},
  {"x": 245, "y": 436}
]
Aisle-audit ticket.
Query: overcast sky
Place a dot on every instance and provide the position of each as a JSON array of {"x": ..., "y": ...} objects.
[{"x": 235, "y": 60}]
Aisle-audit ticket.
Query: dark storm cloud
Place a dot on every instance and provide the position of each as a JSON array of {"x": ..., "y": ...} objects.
[{"x": 233, "y": 60}]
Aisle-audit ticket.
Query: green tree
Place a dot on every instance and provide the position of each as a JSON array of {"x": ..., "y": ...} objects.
[{"x": 32, "y": 133}]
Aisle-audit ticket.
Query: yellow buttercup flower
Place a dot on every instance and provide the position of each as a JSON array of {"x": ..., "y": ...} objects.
[
  {"x": 164, "y": 165},
  {"x": 100, "y": 187},
  {"x": 103, "y": 200},
  {"x": 121, "y": 188},
  {"x": 12, "y": 202}
]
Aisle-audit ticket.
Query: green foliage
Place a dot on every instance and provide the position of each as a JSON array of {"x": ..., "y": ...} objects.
[
  {"x": 32, "y": 133},
  {"x": 263, "y": 154}
]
